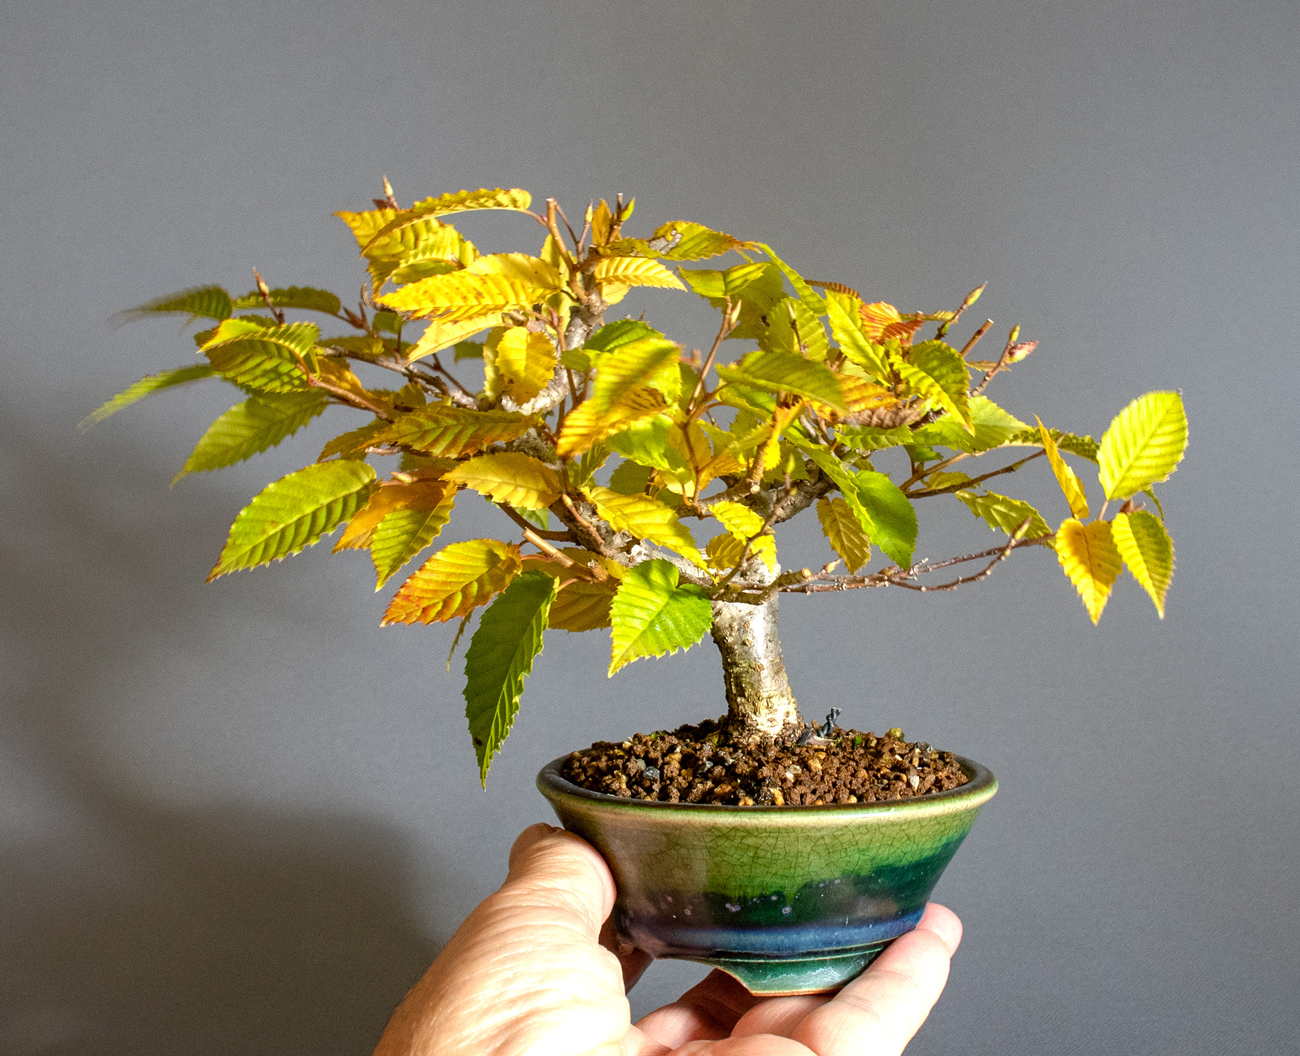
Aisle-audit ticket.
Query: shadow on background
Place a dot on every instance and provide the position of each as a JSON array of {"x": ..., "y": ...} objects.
[{"x": 146, "y": 927}]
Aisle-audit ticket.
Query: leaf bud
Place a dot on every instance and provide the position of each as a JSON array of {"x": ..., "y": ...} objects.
[
  {"x": 974, "y": 295},
  {"x": 1015, "y": 335}
]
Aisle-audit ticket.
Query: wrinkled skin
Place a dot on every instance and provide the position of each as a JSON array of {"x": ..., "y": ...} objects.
[{"x": 526, "y": 975}]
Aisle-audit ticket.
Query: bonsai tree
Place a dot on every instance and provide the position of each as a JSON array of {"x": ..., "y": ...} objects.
[{"x": 605, "y": 443}]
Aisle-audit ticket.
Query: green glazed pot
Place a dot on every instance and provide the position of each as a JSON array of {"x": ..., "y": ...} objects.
[{"x": 789, "y": 900}]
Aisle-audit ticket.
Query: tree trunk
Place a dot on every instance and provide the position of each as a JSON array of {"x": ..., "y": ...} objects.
[{"x": 758, "y": 694}]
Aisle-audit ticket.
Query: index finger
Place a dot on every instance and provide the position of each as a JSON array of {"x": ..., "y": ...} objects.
[{"x": 882, "y": 1009}]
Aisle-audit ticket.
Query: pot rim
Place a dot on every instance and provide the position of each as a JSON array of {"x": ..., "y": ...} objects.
[{"x": 981, "y": 786}]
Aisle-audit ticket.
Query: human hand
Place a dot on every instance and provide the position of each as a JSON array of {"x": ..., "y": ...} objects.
[{"x": 526, "y": 975}]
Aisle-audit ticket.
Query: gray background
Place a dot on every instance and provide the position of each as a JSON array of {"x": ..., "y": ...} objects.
[{"x": 241, "y": 818}]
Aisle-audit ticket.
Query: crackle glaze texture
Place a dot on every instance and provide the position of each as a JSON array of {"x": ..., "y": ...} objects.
[{"x": 786, "y": 899}]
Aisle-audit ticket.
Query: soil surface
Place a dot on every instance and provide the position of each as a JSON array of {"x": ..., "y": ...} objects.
[{"x": 803, "y": 765}]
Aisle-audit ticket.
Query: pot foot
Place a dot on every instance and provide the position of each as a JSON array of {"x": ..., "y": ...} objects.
[{"x": 773, "y": 978}]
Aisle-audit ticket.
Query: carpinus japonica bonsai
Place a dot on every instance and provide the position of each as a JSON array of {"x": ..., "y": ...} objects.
[{"x": 640, "y": 481}]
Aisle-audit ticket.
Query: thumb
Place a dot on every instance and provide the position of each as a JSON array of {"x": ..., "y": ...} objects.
[{"x": 558, "y": 873}]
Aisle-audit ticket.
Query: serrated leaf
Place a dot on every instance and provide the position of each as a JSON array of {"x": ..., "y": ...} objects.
[
  {"x": 1083, "y": 446},
  {"x": 811, "y": 299},
  {"x": 146, "y": 386},
  {"x": 843, "y": 532},
  {"x": 498, "y": 282},
  {"x": 353, "y": 444},
  {"x": 293, "y": 513},
  {"x": 741, "y": 524},
  {"x": 521, "y": 362},
  {"x": 384, "y": 499},
  {"x": 592, "y": 459},
  {"x": 612, "y": 336},
  {"x": 363, "y": 345},
  {"x": 645, "y": 518},
  {"x": 786, "y": 372},
  {"x": 441, "y": 333},
  {"x": 878, "y": 319},
  {"x": 1148, "y": 551},
  {"x": 456, "y": 580},
  {"x": 305, "y": 298},
  {"x": 1088, "y": 555},
  {"x": 443, "y": 429},
  {"x": 721, "y": 284},
  {"x": 868, "y": 438},
  {"x": 207, "y": 302},
  {"x": 993, "y": 427},
  {"x": 649, "y": 361},
  {"x": 500, "y": 657},
  {"x": 842, "y": 310},
  {"x": 630, "y": 478},
  {"x": 881, "y": 508},
  {"x": 510, "y": 477},
  {"x": 263, "y": 358},
  {"x": 409, "y": 528},
  {"x": 649, "y": 442},
  {"x": 635, "y": 271},
  {"x": 652, "y": 614},
  {"x": 1004, "y": 514},
  {"x": 381, "y": 228},
  {"x": 1143, "y": 445},
  {"x": 680, "y": 240},
  {"x": 793, "y": 328},
  {"x": 582, "y": 606},
  {"x": 938, "y": 373},
  {"x": 251, "y": 427},
  {"x": 1065, "y": 476},
  {"x": 587, "y": 425}
]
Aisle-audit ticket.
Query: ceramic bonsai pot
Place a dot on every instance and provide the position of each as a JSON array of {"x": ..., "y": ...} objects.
[{"x": 789, "y": 900}]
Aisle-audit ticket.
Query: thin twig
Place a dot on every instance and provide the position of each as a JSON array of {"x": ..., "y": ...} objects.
[
  {"x": 729, "y": 321},
  {"x": 559, "y": 537},
  {"x": 265, "y": 291},
  {"x": 975, "y": 337},
  {"x": 926, "y": 493}
]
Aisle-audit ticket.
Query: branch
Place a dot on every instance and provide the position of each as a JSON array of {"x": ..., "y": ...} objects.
[
  {"x": 559, "y": 537},
  {"x": 821, "y": 583},
  {"x": 927, "y": 492}
]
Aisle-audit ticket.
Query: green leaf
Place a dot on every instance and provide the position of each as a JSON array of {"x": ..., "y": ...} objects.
[
  {"x": 652, "y": 614},
  {"x": 793, "y": 328},
  {"x": 630, "y": 478},
  {"x": 263, "y": 358},
  {"x": 1148, "y": 551},
  {"x": 994, "y": 427},
  {"x": 1083, "y": 446},
  {"x": 293, "y": 513},
  {"x": 468, "y": 350},
  {"x": 146, "y": 387},
  {"x": 648, "y": 361},
  {"x": 846, "y": 328},
  {"x": 613, "y": 336},
  {"x": 721, "y": 284},
  {"x": 648, "y": 442},
  {"x": 209, "y": 302},
  {"x": 880, "y": 506},
  {"x": 786, "y": 372},
  {"x": 1143, "y": 444},
  {"x": 305, "y": 298},
  {"x": 937, "y": 372},
  {"x": 251, "y": 427},
  {"x": 404, "y": 532},
  {"x": 442, "y": 429},
  {"x": 811, "y": 299},
  {"x": 1004, "y": 514},
  {"x": 353, "y": 444},
  {"x": 500, "y": 657},
  {"x": 870, "y": 438},
  {"x": 892, "y": 517}
]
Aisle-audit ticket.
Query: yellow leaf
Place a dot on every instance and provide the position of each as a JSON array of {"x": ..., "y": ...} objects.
[
  {"x": 586, "y": 425},
  {"x": 498, "y": 282},
  {"x": 601, "y": 224},
  {"x": 442, "y": 333},
  {"x": 723, "y": 551},
  {"x": 844, "y": 533},
  {"x": 1090, "y": 560},
  {"x": 645, "y": 518},
  {"x": 521, "y": 362},
  {"x": 454, "y": 581},
  {"x": 635, "y": 271},
  {"x": 1065, "y": 476},
  {"x": 1148, "y": 551},
  {"x": 510, "y": 477},
  {"x": 582, "y": 606},
  {"x": 384, "y": 500}
]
